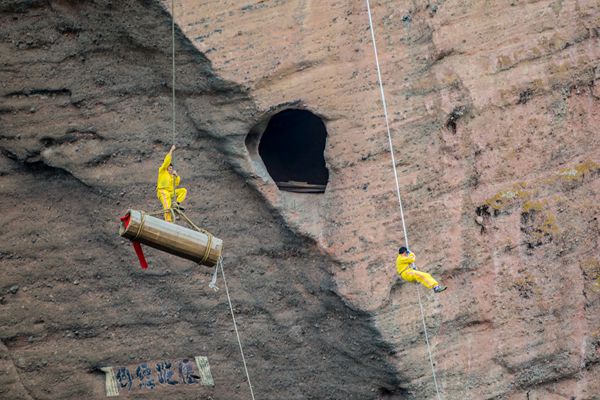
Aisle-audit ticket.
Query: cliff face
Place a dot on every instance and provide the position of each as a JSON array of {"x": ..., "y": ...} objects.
[
  {"x": 494, "y": 112},
  {"x": 85, "y": 120}
]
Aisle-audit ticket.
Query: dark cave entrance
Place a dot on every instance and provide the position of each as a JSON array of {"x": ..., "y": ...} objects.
[{"x": 292, "y": 147}]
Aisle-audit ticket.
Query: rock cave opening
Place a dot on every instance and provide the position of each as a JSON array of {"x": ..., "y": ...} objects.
[{"x": 291, "y": 148}]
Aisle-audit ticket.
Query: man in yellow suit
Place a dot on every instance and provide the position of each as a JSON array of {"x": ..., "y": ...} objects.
[
  {"x": 405, "y": 268},
  {"x": 166, "y": 186}
]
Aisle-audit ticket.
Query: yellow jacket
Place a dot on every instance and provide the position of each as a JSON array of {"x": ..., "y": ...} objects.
[
  {"x": 165, "y": 179},
  {"x": 403, "y": 262}
]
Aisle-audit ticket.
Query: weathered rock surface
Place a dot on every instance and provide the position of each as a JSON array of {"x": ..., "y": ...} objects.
[
  {"x": 84, "y": 123},
  {"x": 494, "y": 112}
]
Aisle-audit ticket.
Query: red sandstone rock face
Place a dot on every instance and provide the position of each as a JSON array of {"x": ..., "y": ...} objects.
[{"x": 494, "y": 112}]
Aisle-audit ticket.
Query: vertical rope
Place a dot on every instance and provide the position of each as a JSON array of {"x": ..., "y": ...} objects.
[
  {"x": 220, "y": 261},
  {"x": 173, "y": 60},
  {"x": 387, "y": 125},
  {"x": 173, "y": 196},
  {"x": 220, "y": 264}
]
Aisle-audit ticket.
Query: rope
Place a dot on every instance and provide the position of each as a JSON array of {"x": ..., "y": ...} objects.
[
  {"x": 220, "y": 261},
  {"x": 387, "y": 125},
  {"x": 189, "y": 221},
  {"x": 173, "y": 197},
  {"x": 213, "y": 281},
  {"x": 158, "y": 212},
  {"x": 208, "y": 249},
  {"x": 220, "y": 264},
  {"x": 207, "y": 233},
  {"x": 173, "y": 60},
  {"x": 139, "y": 230}
]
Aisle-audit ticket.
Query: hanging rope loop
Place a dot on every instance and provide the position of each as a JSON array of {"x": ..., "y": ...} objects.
[
  {"x": 213, "y": 281},
  {"x": 173, "y": 197}
]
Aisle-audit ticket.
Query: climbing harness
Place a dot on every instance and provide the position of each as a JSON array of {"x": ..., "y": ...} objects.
[{"x": 387, "y": 125}]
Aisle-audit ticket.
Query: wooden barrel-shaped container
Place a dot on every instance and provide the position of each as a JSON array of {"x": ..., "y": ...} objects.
[{"x": 201, "y": 247}]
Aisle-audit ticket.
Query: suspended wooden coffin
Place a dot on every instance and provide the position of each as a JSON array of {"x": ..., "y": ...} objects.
[{"x": 139, "y": 227}]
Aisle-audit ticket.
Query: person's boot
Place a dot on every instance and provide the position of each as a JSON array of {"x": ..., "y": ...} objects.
[
  {"x": 179, "y": 207},
  {"x": 439, "y": 288}
]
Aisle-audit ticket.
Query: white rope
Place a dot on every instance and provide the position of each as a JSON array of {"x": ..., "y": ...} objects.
[
  {"x": 387, "y": 125},
  {"x": 173, "y": 60},
  {"x": 213, "y": 281},
  {"x": 220, "y": 264},
  {"x": 173, "y": 196}
]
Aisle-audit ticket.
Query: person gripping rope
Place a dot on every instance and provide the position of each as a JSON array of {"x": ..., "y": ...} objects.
[
  {"x": 166, "y": 186},
  {"x": 405, "y": 268}
]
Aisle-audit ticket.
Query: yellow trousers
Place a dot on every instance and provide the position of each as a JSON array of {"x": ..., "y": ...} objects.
[
  {"x": 165, "y": 197},
  {"x": 412, "y": 275}
]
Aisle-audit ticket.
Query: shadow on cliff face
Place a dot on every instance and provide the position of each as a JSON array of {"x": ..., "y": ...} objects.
[{"x": 73, "y": 299}]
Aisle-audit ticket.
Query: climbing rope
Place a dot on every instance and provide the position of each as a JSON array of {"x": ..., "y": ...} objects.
[
  {"x": 220, "y": 265},
  {"x": 213, "y": 281},
  {"x": 174, "y": 196},
  {"x": 173, "y": 211},
  {"x": 213, "y": 285},
  {"x": 387, "y": 125},
  {"x": 173, "y": 61}
]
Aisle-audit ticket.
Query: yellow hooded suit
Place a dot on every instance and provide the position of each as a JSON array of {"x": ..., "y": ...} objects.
[
  {"x": 404, "y": 269},
  {"x": 166, "y": 188}
]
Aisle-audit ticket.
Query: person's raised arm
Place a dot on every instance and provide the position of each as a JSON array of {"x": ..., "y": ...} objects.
[{"x": 167, "y": 160}]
